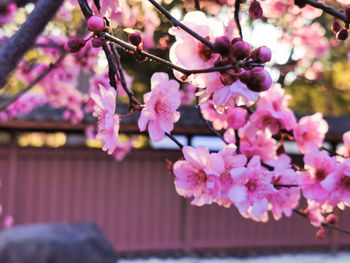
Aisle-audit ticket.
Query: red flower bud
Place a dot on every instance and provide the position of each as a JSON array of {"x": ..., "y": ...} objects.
[
  {"x": 342, "y": 34},
  {"x": 300, "y": 3},
  {"x": 222, "y": 45},
  {"x": 240, "y": 49},
  {"x": 74, "y": 44},
  {"x": 245, "y": 76},
  {"x": 97, "y": 42},
  {"x": 255, "y": 10},
  {"x": 135, "y": 38},
  {"x": 336, "y": 27},
  {"x": 260, "y": 79},
  {"x": 96, "y": 23},
  {"x": 321, "y": 234},
  {"x": 261, "y": 54},
  {"x": 331, "y": 219}
]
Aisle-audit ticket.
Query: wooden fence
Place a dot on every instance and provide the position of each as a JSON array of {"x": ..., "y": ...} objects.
[{"x": 135, "y": 204}]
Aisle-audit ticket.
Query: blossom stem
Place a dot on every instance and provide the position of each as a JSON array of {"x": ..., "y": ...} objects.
[
  {"x": 34, "y": 82},
  {"x": 333, "y": 227},
  {"x": 197, "y": 5},
  {"x": 238, "y": 23},
  {"x": 187, "y": 72},
  {"x": 172, "y": 137},
  {"x": 122, "y": 80},
  {"x": 112, "y": 70},
  {"x": 177, "y": 23},
  {"x": 326, "y": 9},
  {"x": 286, "y": 185}
]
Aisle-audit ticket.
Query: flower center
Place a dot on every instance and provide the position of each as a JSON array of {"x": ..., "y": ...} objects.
[
  {"x": 204, "y": 52},
  {"x": 251, "y": 185},
  {"x": 345, "y": 181},
  {"x": 320, "y": 175}
]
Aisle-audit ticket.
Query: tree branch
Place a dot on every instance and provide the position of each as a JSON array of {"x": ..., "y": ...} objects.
[
  {"x": 15, "y": 48},
  {"x": 326, "y": 9},
  {"x": 237, "y": 8}
]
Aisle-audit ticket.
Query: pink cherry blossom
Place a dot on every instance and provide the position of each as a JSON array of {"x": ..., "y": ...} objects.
[
  {"x": 310, "y": 132},
  {"x": 345, "y": 149},
  {"x": 160, "y": 106},
  {"x": 250, "y": 188},
  {"x": 198, "y": 175},
  {"x": 231, "y": 161},
  {"x": 285, "y": 199},
  {"x": 318, "y": 166},
  {"x": 108, "y": 121},
  {"x": 186, "y": 46},
  {"x": 257, "y": 143},
  {"x": 338, "y": 184}
]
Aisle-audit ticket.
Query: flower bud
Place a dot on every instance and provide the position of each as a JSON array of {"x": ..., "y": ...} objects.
[
  {"x": 261, "y": 54},
  {"x": 135, "y": 38},
  {"x": 336, "y": 27},
  {"x": 260, "y": 80},
  {"x": 342, "y": 34},
  {"x": 245, "y": 76},
  {"x": 321, "y": 234},
  {"x": 331, "y": 219},
  {"x": 234, "y": 40},
  {"x": 255, "y": 10},
  {"x": 74, "y": 44},
  {"x": 240, "y": 50},
  {"x": 222, "y": 45},
  {"x": 97, "y": 42},
  {"x": 300, "y": 3},
  {"x": 96, "y": 23}
]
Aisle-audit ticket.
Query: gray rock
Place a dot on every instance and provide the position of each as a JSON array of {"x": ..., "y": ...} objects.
[{"x": 56, "y": 243}]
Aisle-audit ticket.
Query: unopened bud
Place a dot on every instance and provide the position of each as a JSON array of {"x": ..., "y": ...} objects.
[
  {"x": 222, "y": 45},
  {"x": 245, "y": 76},
  {"x": 261, "y": 54},
  {"x": 331, "y": 219},
  {"x": 135, "y": 38},
  {"x": 300, "y": 3},
  {"x": 342, "y": 34},
  {"x": 336, "y": 27},
  {"x": 97, "y": 42},
  {"x": 240, "y": 50},
  {"x": 321, "y": 234},
  {"x": 75, "y": 44},
  {"x": 255, "y": 10},
  {"x": 96, "y": 23}
]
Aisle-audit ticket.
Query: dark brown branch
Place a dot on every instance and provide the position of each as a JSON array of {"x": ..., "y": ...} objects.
[
  {"x": 112, "y": 70},
  {"x": 333, "y": 227},
  {"x": 129, "y": 47},
  {"x": 326, "y": 9},
  {"x": 197, "y": 5},
  {"x": 171, "y": 137},
  {"x": 177, "y": 23},
  {"x": 122, "y": 80},
  {"x": 238, "y": 23},
  {"x": 15, "y": 48},
  {"x": 34, "y": 82}
]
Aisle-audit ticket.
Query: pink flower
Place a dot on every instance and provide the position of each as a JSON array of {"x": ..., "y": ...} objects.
[
  {"x": 250, "y": 188},
  {"x": 284, "y": 200},
  {"x": 231, "y": 161},
  {"x": 318, "y": 166},
  {"x": 108, "y": 121},
  {"x": 257, "y": 143},
  {"x": 198, "y": 175},
  {"x": 8, "y": 15},
  {"x": 255, "y": 10},
  {"x": 310, "y": 131},
  {"x": 187, "y": 47},
  {"x": 273, "y": 112},
  {"x": 345, "y": 149},
  {"x": 338, "y": 184},
  {"x": 160, "y": 106}
]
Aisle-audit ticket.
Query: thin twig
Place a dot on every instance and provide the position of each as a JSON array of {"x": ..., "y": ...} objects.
[
  {"x": 34, "y": 82},
  {"x": 177, "y": 23},
  {"x": 197, "y": 5},
  {"x": 238, "y": 23},
  {"x": 326, "y": 9},
  {"x": 286, "y": 185},
  {"x": 112, "y": 70},
  {"x": 122, "y": 80},
  {"x": 132, "y": 48},
  {"x": 333, "y": 227},
  {"x": 171, "y": 137}
]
